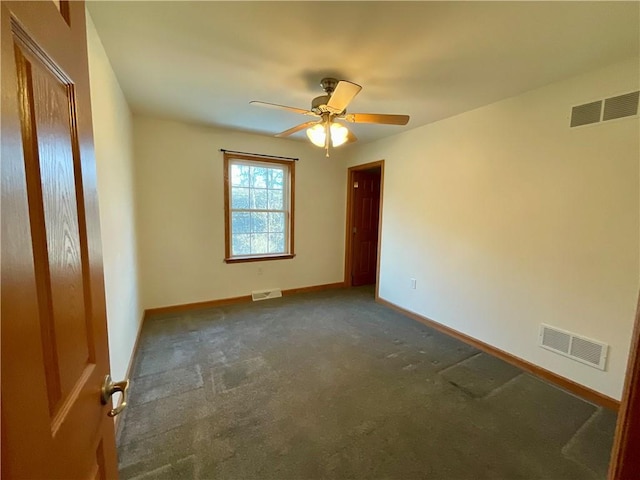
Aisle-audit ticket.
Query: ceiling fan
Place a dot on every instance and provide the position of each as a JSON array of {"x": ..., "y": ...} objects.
[{"x": 329, "y": 108}]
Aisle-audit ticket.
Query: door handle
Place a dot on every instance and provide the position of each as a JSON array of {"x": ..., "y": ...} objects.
[{"x": 109, "y": 388}]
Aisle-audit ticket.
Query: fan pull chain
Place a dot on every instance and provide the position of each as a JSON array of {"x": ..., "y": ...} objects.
[{"x": 327, "y": 136}]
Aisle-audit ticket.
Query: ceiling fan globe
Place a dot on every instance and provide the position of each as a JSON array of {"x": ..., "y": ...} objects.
[
  {"x": 317, "y": 135},
  {"x": 339, "y": 134}
]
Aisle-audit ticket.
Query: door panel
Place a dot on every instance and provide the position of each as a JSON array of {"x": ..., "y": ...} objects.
[
  {"x": 364, "y": 260},
  {"x": 46, "y": 121},
  {"x": 366, "y": 212},
  {"x": 54, "y": 340}
]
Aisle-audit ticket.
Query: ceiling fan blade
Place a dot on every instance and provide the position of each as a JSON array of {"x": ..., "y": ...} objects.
[
  {"x": 282, "y": 107},
  {"x": 377, "y": 118},
  {"x": 342, "y": 96},
  {"x": 351, "y": 137},
  {"x": 295, "y": 129}
]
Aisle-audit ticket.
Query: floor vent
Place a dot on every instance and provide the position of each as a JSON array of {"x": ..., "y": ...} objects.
[
  {"x": 266, "y": 294},
  {"x": 612, "y": 108},
  {"x": 584, "y": 350}
]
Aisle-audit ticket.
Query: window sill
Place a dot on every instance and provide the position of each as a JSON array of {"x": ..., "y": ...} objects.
[{"x": 259, "y": 258}]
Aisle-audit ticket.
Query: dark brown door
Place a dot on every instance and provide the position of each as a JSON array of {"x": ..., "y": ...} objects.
[
  {"x": 366, "y": 212},
  {"x": 54, "y": 337}
]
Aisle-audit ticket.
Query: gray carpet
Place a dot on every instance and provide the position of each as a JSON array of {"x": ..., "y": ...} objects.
[{"x": 332, "y": 385}]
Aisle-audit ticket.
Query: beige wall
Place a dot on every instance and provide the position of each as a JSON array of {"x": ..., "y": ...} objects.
[
  {"x": 181, "y": 215},
  {"x": 112, "y": 126},
  {"x": 508, "y": 218}
]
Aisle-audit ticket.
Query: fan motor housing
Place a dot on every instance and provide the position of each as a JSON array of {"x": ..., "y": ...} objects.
[
  {"x": 329, "y": 84},
  {"x": 318, "y": 104}
]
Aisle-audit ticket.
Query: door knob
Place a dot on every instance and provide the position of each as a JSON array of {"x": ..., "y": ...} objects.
[{"x": 109, "y": 388}]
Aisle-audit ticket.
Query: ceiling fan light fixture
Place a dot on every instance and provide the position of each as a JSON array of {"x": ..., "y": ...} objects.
[
  {"x": 338, "y": 132},
  {"x": 317, "y": 135}
]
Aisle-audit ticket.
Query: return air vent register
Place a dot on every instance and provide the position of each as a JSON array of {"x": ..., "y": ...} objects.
[
  {"x": 603, "y": 110},
  {"x": 581, "y": 349}
]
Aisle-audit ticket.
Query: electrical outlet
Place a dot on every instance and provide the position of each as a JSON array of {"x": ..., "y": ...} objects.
[{"x": 413, "y": 283}]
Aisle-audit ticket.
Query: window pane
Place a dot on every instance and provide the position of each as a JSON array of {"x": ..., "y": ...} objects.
[
  {"x": 239, "y": 197},
  {"x": 276, "y": 222},
  {"x": 259, "y": 243},
  {"x": 259, "y": 177},
  {"x": 241, "y": 244},
  {"x": 275, "y": 199},
  {"x": 259, "y": 222},
  {"x": 276, "y": 178},
  {"x": 240, "y": 175},
  {"x": 276, "y": 243},
  {"x": 259, "y": 199},
  {"x": 240, "y": 222}
]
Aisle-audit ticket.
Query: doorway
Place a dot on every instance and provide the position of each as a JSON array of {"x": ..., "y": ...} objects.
[{"x": 364, "y": 221}]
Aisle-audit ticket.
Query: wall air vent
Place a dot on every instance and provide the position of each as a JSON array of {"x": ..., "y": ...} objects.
[
  {"x": 621, "y": 106},
  {"x": 576, "y": 347},
  {"x": 555, "y": 340},
  {"x": 612, "y": 108},
  {"x": 586, "y": 114},
  {"x": 266, "y": 294}
]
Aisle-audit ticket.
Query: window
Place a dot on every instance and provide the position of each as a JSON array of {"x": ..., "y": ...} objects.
[{"x": 259, "y": 195}]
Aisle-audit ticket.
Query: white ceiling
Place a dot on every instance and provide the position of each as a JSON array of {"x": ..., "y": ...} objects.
[{"x": 204, "y": 61}]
